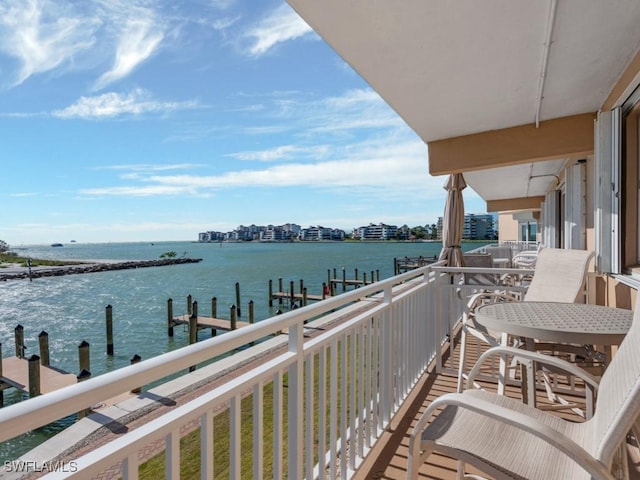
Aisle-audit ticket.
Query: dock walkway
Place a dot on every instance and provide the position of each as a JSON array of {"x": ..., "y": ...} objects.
[
  {"x": 209, "y": 322},
  {"x": 15, "y": 373}
]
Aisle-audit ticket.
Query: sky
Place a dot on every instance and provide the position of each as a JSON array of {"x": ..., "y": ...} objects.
[{"x": 141, "y": 120}]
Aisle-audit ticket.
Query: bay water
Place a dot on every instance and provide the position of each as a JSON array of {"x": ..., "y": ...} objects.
[{"x": 71, "y": 308}]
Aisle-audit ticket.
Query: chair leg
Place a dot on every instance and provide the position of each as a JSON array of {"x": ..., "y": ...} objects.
[
  {"x": 462, "y": 362},
  {"x": 459, "y": 470},
  {"x": 502, "y": 373}
]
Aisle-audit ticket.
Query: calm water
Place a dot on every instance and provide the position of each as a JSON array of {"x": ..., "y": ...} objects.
[{"x": 72, "y": 308}]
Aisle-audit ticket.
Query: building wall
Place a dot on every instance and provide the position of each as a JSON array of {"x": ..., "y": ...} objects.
[{"x": 507, "y": 227}]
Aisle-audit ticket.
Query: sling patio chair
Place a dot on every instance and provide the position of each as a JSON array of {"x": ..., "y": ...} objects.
[
  {"x": 479, "y": 260},
  {"x": 502, "y": 253},
  {"x": 506, "y": 438},
  {"x": 559, "y": 276}
]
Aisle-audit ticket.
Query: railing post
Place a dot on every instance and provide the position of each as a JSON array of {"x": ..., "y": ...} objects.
[
  {"x": 386, "y": 369},
  {"x": 295, "y": 402},
  {"x": 436, "y": 297}
]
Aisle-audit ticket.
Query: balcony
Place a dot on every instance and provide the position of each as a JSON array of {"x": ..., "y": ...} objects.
[{"x": 330, "y": 390}]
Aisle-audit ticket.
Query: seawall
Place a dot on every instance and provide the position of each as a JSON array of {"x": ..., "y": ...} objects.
[{"x": 17, "y": 273}]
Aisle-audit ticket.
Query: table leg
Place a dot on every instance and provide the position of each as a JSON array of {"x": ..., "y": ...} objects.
[
  {"x": 528, "y": 377},
  {"x": 502, "y": 370}
]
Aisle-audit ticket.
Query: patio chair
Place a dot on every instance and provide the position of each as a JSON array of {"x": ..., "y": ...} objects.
[
  {"x": 508, "y": 439},
  {"x": 479, "y": 260},
  {"x": 559, "y": 276},
  {"x": 503, "y": 252},
  {"x": 525, "y": 259}
]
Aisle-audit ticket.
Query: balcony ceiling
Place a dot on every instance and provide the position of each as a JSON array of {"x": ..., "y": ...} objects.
[{"x": 456, "y": 68}]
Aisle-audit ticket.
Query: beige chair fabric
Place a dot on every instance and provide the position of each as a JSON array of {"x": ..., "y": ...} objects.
[
  {"x": 479, "y": 260},
  {"x": 508, "y": 439},
  {"x": 559, "y": 276}
]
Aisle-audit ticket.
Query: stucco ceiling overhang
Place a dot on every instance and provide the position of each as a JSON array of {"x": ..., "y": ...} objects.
[{"x": 452, "y": 69}]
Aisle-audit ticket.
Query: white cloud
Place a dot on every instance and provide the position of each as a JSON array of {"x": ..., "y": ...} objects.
[
  {"x": 282, "y": 152},
  {"x": 114, "y": 104},
  {"x": 148, "y": 167},
  {"x": 140, "y": 37},
  {"x": 140, "y": 191},
  {"x": 371, "y": 168},
  {"x": 42, "y": 35},
  {"x": 282, "y": 25}
]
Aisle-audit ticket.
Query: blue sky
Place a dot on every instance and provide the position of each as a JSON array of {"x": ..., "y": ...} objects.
[{"x": 138, "y": 120}]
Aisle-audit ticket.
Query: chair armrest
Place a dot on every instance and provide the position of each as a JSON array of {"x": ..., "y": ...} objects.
[
  {"x": 520, "y": 354},
  {"x": 518, "y": 420},
  {"x": 495, "y": 297}
]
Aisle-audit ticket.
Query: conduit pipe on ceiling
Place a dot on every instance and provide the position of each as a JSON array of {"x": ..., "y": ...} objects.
[{"x": 545, "y": 58}]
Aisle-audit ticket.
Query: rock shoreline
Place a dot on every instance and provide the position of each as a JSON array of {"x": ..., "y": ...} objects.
[{"x": 38, "y": 272}]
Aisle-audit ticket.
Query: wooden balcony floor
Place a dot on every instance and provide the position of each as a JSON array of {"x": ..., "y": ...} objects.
[{"x": 388, "y": 460}]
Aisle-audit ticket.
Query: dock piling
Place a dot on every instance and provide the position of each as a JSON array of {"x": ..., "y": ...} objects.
[
  {"x": 34, "y": 376},
  {"x": 280, "y": 290},
  {"x": 251, "y": 317},
  {"x": 193, "y": 324},
  {"x": 214, "y": 313},
  {"x": 238, "y": 298},
  {"x": 189, "y": 304},
  {"x": 270, "y": 293},
  {"x": 232, "y": 316},
  {"x": 193, "y": 329},
  {"x": 170, "y": 317},
  {"x": 84, "y": 361},
  {"x": 43, "y": 342},
  {"x": 1, "y": 390},
  {"x": 136, "y": 359},
  {"x": 19, "y": 336},
  {"x": 109, "y": 315}
]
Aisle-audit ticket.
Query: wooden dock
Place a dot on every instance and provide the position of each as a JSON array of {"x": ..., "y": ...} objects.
[
  {"x": 209, "y": 322},
  {"x": 15, "y": 373},
  {"x": 297, "y": 296}
]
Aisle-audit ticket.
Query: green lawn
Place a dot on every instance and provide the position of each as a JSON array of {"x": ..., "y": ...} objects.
[
  {"x": 11, "y": 257},
  {"x": 190, "y": 443}
]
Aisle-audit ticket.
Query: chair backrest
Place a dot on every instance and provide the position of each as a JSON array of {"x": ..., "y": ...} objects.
[
  {"x": 618, "y": 402},
  {"x": 478, "y": 260},
  {"x": 500, "y": 251},
  {"x": 559, "y": 275}
]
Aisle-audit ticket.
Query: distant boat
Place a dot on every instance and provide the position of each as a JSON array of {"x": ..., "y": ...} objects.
[
  {"x": 57, "y": 245},
  {"x": 73, "y": 241}
]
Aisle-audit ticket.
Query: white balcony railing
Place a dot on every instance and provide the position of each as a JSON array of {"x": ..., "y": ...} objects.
[{"x": 333, "y": 394}]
